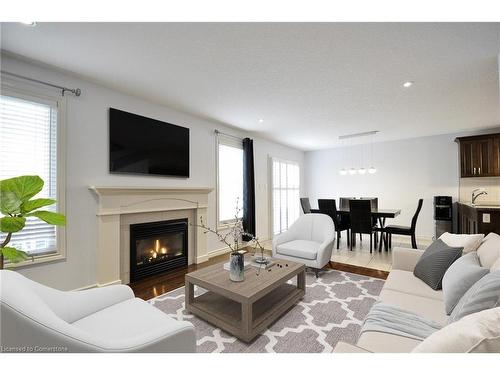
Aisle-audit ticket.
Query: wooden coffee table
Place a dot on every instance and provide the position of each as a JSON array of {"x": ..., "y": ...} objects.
[{"x": 245, "y": 308}]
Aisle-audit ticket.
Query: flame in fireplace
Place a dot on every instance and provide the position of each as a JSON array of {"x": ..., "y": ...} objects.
[{"x": 157, "y": 250}]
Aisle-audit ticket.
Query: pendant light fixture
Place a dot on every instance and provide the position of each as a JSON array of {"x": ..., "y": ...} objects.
[
  {"x": 343, "y": 171},
  {"x": 361, "y": 170},
  {"x": 372, "y": 169}
]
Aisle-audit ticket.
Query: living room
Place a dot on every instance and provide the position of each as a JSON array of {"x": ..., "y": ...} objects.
[{"x": 247, "y": 187}]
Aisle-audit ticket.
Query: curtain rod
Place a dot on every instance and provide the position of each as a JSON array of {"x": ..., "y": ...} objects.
[
  {"x": 76, "y": 92},
  {"x": 217, "y": 132}
]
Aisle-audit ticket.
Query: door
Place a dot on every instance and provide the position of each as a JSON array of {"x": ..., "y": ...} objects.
[
  {"x": 496, "y": 156},
  {"x": 482, "y": 164},
  {"x": 466, "y": 160}
]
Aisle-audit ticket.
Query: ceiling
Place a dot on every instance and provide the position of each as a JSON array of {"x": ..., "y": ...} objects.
[{"x": 309, "y": 82}]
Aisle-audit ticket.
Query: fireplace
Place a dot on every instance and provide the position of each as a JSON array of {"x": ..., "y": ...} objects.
[{"x": 157, "y": 247}]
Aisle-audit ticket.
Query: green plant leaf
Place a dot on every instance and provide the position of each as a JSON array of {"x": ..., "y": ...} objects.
[
  {"x": 12, "y": 224},
  {"x": 49, "y": 217},
  {"x": 14, "y": 255},
  {"x": 9, "y": 203},
  {"x": 24, "y": 187},
  {"x": 36, "y": 203}
]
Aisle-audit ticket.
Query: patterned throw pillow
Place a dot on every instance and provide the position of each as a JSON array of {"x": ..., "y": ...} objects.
[
  {"x": 434, "y": 262},
  {"x": 484, "y": 294},
  {"x": 458, "y": 279}
]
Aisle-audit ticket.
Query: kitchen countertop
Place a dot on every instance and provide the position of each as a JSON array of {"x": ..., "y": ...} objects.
[{"x": 485, "y": 207}]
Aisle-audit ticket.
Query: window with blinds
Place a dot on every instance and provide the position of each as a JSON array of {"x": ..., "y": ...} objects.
[
  {"x": 286, "y": 197},
  {"x": 28, "y": 146}
]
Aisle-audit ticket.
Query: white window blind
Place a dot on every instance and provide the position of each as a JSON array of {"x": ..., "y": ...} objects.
[
  {"x": 28, "y": 146},
  {"x": 230, "y": 179},
  {"x": 285, "y": 187}
]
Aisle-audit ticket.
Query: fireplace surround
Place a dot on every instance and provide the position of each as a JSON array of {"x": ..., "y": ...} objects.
[{"x": 118, "y": 207}]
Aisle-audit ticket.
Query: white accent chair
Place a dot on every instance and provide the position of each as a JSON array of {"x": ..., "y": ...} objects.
[
  {"x": 107, "y": 319},
  {"x": 309, "y": 241}
]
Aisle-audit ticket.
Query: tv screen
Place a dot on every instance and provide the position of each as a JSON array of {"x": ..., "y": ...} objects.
[{"x": 141, "y": 145}]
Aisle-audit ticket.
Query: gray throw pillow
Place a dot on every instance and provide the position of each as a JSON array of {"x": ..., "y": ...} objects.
[
  {"x": 483, "y": 295},
  {"x": 459, "y": 277},
  {"x": 435, "y": 261}
]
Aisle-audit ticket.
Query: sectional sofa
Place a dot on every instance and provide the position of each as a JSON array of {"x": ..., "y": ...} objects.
[{"x": 402, "y": 289}]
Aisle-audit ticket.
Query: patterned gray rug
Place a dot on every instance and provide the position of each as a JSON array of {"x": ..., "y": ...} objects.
[{"x": 332, "y": 310}]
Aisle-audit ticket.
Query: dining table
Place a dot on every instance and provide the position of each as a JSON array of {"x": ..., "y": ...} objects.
[{"x": 379, "y": 214}]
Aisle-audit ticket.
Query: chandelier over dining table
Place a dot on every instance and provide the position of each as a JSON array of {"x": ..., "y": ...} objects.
[{"x": 359, "y": 166}]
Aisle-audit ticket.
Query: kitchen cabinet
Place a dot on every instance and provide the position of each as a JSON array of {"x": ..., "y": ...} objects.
[
  {"x": 480, "y": 219},
  {"x": 479, "y": 155}
]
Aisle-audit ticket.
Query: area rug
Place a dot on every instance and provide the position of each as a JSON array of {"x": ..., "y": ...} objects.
[{"x": 332, "y": 310}]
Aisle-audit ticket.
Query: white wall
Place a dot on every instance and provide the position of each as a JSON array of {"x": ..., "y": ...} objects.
[
  {"x": 87, "y": 164},
  {"x": 406, "y": 171}
]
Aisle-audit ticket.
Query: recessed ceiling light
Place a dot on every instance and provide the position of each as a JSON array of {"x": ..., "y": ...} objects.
[
  {"x": 408, "y": 84},
  {"x": 29, "y": 23},
  {"x": 261, "y": 120}
]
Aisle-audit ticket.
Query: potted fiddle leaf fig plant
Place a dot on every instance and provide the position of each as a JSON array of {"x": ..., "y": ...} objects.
[{"x": 16, "y": 204}]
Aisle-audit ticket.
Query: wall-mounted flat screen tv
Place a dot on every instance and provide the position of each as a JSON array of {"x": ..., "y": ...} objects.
[{"x": 141, "y": 145}]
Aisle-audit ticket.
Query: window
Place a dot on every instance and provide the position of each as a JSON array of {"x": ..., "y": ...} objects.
[
  {"x": 285, "y": 192},
  {"x": 29, "y": 133},
  {"x": 230, "y": 178}
]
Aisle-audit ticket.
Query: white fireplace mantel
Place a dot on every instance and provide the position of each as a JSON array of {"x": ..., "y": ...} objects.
[{"x": 116, "y": 201}]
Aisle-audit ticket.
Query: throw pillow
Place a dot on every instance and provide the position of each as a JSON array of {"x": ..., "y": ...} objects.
[
  {"x": 476, "y": 333},
  {"x": 434, "y": 262},
  {"x": 459, "y": 277},
  {"x": 469, "y": 242},
  {"x": 489, "y": 250},
  {"x": 484, "y": 294}
]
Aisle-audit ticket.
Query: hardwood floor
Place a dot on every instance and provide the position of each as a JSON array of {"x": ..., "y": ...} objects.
[{"x": 157, "y": 285}]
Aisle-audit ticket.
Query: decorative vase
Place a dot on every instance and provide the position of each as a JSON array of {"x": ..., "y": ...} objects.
[{"x": 237, "y": 267}]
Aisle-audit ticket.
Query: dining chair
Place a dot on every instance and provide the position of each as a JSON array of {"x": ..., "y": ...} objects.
[
  {"x": 361, "y": 219},
  {"x": 344, "y": 202},
  {"x": 306, "y": 206},
  {"x": 344, "y": 205},
  {"x": 329, "y": 207},
  {"x": 374, "y": 205},
  {"x": 404, "y": 230},
  {"x": 373, "y": 202}
]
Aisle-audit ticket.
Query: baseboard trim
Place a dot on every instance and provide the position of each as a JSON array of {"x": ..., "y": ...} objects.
[{"x": 97, "y": 285}]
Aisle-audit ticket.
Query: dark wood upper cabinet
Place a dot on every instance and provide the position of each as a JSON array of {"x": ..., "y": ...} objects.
[{"x": 479, "y": 155}]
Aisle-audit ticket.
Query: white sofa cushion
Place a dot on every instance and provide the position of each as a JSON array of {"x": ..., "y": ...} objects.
[
  {"x": 379, "y": 342},
  {"x": 299, "y": 249},
  {"x": 134, "y": 321},
  {"x": 406, "y": 282},
  {"x": 475, "y": 333},
  {"x": 489, "y": 250},
  {"x": 428, "y": 308},
  {"x": 469, "y": 242}
]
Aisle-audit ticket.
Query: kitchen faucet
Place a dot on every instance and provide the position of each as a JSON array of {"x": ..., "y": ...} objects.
[{"x": 476, "y": 193}]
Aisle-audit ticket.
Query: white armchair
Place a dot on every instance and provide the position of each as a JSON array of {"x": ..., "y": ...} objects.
[
  {"x": 107, "y": 319},
  {"x": 309, "y": 241}
]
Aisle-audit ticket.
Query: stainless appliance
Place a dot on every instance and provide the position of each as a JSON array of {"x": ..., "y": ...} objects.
[{"x": 443, "y": 215}]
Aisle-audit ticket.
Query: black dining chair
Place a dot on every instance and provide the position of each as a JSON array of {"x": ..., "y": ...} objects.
[
  {"x": 344, "y": 202},
  {"x": 344, "y": 205},
  {"x": 373, "y": 202},
  {"x": 306, "y": 206},
  {"x": 329, "y": 207},
  {"x": 404, "y": 230},
  {"x": 374, "y": 205},
  {"x": 361, "y": 219}
]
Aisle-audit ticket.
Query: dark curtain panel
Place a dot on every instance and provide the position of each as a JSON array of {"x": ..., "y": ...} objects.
[{"x": 248, "y": 189}]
